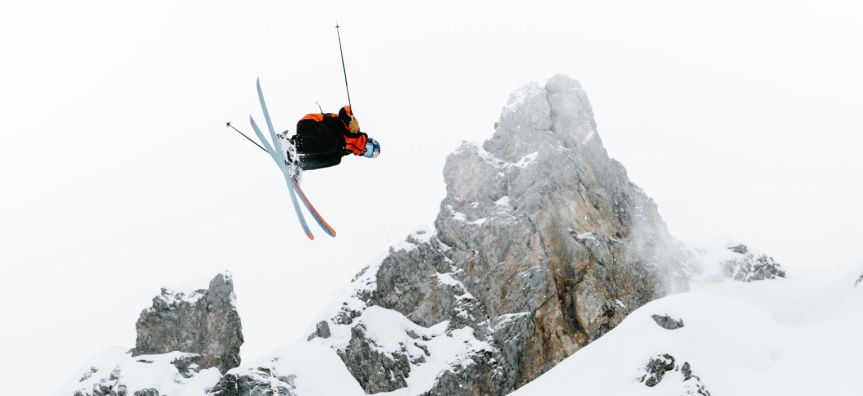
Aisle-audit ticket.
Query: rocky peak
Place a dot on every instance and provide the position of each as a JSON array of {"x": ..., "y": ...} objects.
[
  {"x": 542, "y": 245},
  {"x": 202, "y": 322}
]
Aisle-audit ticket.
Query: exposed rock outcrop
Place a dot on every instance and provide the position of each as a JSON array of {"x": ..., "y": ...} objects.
[
  {"x": 375, "y": 370},
  {"x": 203, "y": 322},
  {"x": 751, "y": 266},
  {"x": 667, "y": 322},
  {"x": 186, "y": 340},
  {"x": 259, "y": 381},
  {"x": 659, "y": 365},
  {"x": 322, "y": 329}
]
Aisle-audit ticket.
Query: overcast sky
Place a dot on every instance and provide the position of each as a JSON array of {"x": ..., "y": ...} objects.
[{"x": 740, "y": 118}]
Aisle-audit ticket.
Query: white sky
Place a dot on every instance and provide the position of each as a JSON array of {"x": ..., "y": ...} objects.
[{"x": 739, "y": 118}]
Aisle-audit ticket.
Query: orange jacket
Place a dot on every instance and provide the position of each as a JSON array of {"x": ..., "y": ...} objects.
[{"x": 354, "y": 143}]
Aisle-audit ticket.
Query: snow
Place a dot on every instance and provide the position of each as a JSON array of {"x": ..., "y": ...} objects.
[
  {"x": 390, "y": 331},
  {"x": 318, "y": 370},
  {"x": 795, "y": 336},
  {"x": 458, "y": 215},
  {"x": 172, "y": 297},
  {"x": 422, "y": 234},
  {"x": 446, "y": 352},
  {"x": 526, "y": 160},
  {"x": 447, "y": 279},
  {"x": 141, "y": 372},
  {"x": 505, "y": 318},
  {"x": 191, "y": 291}
]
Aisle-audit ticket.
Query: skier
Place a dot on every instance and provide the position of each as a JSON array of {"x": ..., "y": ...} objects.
[{"x": 323, "y": 139}]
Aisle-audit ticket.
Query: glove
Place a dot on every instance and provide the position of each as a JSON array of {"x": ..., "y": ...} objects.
[{"x": 354, "y": 126}]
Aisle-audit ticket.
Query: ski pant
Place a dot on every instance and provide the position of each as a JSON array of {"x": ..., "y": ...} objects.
[{"x": 317, "y": 146}]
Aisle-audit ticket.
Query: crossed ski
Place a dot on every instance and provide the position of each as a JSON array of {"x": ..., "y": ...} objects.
[{"x": 293, "y": 187}]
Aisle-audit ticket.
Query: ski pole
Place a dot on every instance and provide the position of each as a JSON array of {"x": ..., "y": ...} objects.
[
  {"x": 343, "y": 66},
  {"x": 228, "y": 124}
]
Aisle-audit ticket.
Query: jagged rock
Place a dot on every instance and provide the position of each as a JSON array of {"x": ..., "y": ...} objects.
[
  {"x": 860, "y": 279},
  {"x": 374, "y": 370},
  {"x": 147, "y": 392},
  {"x": 667, "y": 322},
  {"x": 203, "y": 322},
  {"x": 751, "y": 267},
  {"x": 542, "y": 221},
  {"x": 658, "y": 366},
  {"x": 322, "y": 330},
  {"x": 542, "y": 245}
]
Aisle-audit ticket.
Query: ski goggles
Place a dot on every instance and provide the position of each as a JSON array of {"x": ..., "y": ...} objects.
[{"x": 373, "y": 149}]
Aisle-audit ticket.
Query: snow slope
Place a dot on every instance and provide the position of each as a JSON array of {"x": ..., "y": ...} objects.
[{"x": 795, "y": 336}]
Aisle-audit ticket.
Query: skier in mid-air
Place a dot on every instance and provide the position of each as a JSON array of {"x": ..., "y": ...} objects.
[{"x": 322, "y": 139}]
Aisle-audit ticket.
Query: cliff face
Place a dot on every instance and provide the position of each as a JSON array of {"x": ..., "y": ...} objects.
[
  {"x": 543, "y": 222},
  {"x": 542, "y": 245}
]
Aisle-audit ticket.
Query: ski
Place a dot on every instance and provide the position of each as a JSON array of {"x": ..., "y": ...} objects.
[
  {"x": 314, "y": 212},
  {"x": 288, "y": 178},
  {"x": 315, "y": 215},
  {"x": 293, "y": 186}
]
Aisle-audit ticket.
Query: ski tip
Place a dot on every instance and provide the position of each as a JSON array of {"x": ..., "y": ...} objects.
[
  {"x": 311, "y": 237},
  {"x": 258, "y": 82}
]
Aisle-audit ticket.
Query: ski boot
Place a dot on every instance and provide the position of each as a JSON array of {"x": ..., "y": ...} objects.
[{"x": 291, "y": 158}]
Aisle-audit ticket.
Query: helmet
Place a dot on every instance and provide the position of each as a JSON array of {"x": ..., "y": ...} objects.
[{"x": 373, "y": 149}]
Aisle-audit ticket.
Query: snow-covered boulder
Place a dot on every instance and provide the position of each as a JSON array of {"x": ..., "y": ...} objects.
[
  {"x": 203, "y": 322},
  {"x": 667, "y": 322},
  {"x": 185, "y": 341}
]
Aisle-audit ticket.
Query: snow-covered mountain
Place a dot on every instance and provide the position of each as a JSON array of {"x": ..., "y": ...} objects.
[
  {"x": 542, "y": 252},
  {"x": 794, "y": 336}
]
